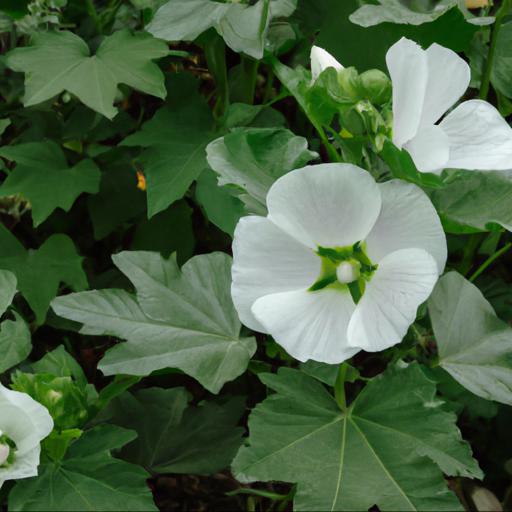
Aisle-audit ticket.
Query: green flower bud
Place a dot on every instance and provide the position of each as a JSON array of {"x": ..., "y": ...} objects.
[
  {"x": 350, "y": 84},
  {"x": 352, "y": 121},
  {"x": 376, "y": 86}
]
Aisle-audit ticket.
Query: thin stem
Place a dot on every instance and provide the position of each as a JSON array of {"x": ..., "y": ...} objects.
[
  {"x": 486, "y": 78},
  {"x": 469, "y": 253},
  {"x": 93, "y": 13},
  {"x": 250, "y": 75},
  {"x": 339, "y": 387},
  {"x": 331, "y": 150},
  {"x": 490, "y": 260}
]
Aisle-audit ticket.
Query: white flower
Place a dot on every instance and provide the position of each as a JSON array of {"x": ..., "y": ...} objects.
[
  {"x": 332, "y": 232},
  {"x": 320, "y": 60},
  {"x": 426, "y": 83},
  {"x": 24, "y": 423}
]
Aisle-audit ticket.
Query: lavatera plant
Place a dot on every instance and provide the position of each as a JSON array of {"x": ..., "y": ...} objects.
[
  {"x": 341, "y": 263},
  {"x": 426, "y": 85}
]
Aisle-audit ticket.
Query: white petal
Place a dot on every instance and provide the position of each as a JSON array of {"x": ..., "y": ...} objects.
[
  {"x": 429, "y": 149},
  {"x": 309, "y": 325},
  {"x": 480, "y": 139},
  {"x": 266, "y": 260},
  {"x": 407, "y": 220},
  {"x": 403, "y": 281},
  {"x": 320, "y": 60},
  {"x": 23, "y": 419},
  {"x": 448, "y": 79},
  {"x": 408, "y": 69},
  {"x": 328, "y": 204},
  {"x": 24, "y": 466}
]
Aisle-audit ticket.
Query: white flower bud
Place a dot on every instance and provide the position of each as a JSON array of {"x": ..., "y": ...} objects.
[{"x": 348, "y": 271}]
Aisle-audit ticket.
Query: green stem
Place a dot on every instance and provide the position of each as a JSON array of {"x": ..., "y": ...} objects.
[
  {"x": 250, "y": 74},
  {"x": 469, "y": 253},
  {"x": 490, "y": 260},
  {"x": 339, "y": 387},
  {"x": 331, "y": 150},
  {"x": 268, "y": 86},
  {"x": 215, "y": 53},
  {"x": 486, "y": 78},
  {"x": 93, "y": 13}
]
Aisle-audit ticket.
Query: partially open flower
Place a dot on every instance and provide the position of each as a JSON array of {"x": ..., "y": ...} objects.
[
  {"x": 426, "y": 83},
  {"x": 340, "y": 263},
  {"x": 321, "y": 60},
  {"x": 24, "y": 423}
]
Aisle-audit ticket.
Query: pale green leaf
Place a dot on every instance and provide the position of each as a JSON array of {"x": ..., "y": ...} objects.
[
  {"x": 180, "y": 318},
  {"x": 475, "y": 346},
  {"x": 242, "y": 26},
  {"x": 254, "y": 158},
  {"x": 8, "y": 284},
  {"x": 394, "y": 11},
  {"x": 60, "y": 61},
  {"x": 384, "y": 451},
  {"x": 15, "y": 342},
  {"x": 475, "y": 201}
]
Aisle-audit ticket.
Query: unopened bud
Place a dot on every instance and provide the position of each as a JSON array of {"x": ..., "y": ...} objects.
[{"x": 377, "y": 86}]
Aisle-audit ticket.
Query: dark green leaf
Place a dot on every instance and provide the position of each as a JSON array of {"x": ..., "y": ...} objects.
[
  {"x": 174, "y": 438},
  {"x": 365, "y": 48},
  {"x": 43, "y": 178},
  {"x": 382, "y": 452},
  {"x": 89, "y": 478},
  {"x": 61, "y": 61},
  {"x": 175, "y": 140},
  {"x": 40, "y": 271}
]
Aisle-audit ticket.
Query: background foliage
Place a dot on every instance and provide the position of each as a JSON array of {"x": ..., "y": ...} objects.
[{"x": 134, "y": 135}]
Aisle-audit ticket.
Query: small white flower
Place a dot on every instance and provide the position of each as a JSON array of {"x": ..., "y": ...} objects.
[
  {"x": 24, "y": 423},
  {"x": 426, "y": 83},
  {"x": 320, "y": 60},
  {"x": 332, "y": 233}
]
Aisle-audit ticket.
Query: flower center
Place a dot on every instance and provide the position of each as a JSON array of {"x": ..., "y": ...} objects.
[
  {"x": 345, "y": 268},
  {"x": 348, "y": 271}
]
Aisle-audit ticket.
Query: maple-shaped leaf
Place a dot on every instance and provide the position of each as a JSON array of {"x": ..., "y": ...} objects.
[
  {"x": 43, "y": 178},
  {"x": 61, "y": 61},
  {"x": 39, "y": 272},
  {"x": 175, "y": 141}
]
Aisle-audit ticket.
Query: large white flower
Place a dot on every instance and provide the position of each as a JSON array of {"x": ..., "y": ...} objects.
[
  {"x": 426, "y": 84},
  {"x": 340, "y": 263},
  {"x": 24, "y": 423}
]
